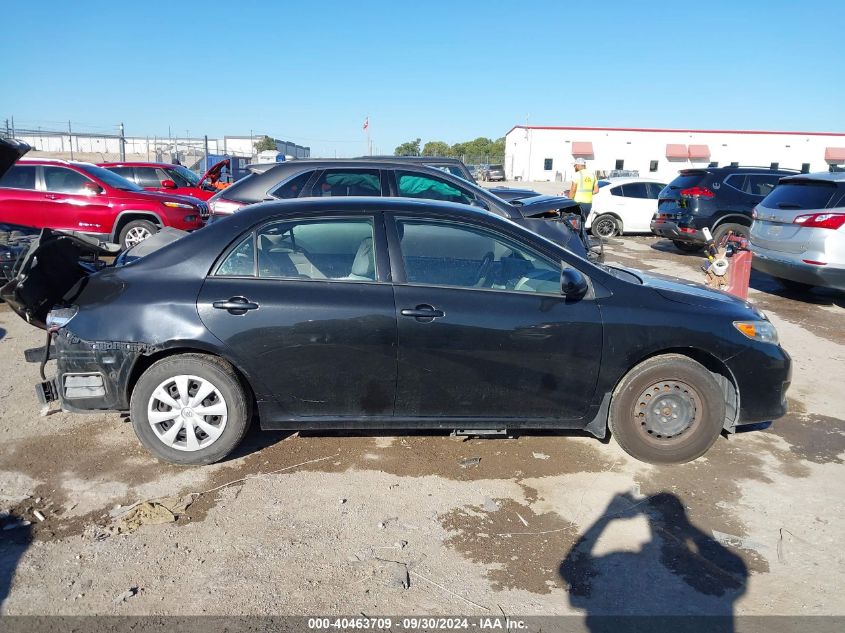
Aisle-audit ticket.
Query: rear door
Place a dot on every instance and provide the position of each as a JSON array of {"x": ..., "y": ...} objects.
[
  {"x": 20, "y": 201},
  {"x": 484, "y": 332},
  {"x": 305, "y": 309}
]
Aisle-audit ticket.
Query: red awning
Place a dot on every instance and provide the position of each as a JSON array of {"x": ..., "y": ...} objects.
[
  {"x": 699, "y": 152},
  {"x": 676, "y": 151},
  {"x": 834, "y": 154},
  {"x": 583, "y": 149}
]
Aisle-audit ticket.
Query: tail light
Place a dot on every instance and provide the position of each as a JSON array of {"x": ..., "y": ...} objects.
[
  {"x": 221, "y": 206},
  {"x": 697, "y": 192},
  {"x": 821, "y": 220}
]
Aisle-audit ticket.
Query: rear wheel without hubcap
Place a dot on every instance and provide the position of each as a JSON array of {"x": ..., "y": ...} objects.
[
  {"x": 667, "y": 409},
  {"x": 605, "y": 226}
]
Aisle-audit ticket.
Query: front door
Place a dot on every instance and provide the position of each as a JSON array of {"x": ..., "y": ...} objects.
[
  {"x": 71, "y": 202},
  {"x": 484, "y": 331},
  {"x": 303, "y": 311}
]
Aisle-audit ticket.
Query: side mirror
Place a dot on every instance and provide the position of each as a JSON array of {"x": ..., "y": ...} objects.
[
  {"x": 573, "y": 284},
  {"x": 92, "y": 188},
  {"x": 168, "y": 184}
]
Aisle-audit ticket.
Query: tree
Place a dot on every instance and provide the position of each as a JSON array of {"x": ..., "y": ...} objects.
[
  {"x": 265, "y": 143},
  {"x": 411, "y": 148},
  {"x": 436, "y": 148}
]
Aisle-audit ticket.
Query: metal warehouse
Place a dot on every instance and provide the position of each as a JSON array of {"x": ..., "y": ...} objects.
[{"x": 547, "y": 152}]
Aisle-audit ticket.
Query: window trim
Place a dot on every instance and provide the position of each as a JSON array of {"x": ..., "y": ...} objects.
[
  {"x": 397, "y": 261},
  {"x": 379, "y": 244}
]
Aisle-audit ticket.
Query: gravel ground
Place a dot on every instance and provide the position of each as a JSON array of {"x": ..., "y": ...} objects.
[{"x": 537, "y": 525}]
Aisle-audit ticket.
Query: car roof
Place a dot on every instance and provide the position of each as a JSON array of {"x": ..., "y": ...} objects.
[
  {"x": 826, "y": 176},
  {"x": 355, "y": 204},
  {"x": 415, "y": 159},
  {"x": 740, "y": 168},
  {"x": 620, "y": 180},
  {"x": 128, "y": 163},
  {"x": 55, "y": 161}
]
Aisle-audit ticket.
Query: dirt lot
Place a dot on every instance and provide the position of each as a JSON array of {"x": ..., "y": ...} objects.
[{"x": 426, "y": 524}]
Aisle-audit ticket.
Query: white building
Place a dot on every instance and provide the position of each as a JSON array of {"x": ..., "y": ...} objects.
[{"x": 547, "y": 152}]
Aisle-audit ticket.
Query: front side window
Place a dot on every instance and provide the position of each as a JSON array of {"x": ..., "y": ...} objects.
[
  {"x": 19, "y": 177},
  {"x": 63, "y": 180},
  {"x": 151, "y": 176},
  {"x": 123, "y": 172},
  {"x": 447, "y": 254},
  {"x": 413, "y": 185},
  {"x": 348, "y": 182}
]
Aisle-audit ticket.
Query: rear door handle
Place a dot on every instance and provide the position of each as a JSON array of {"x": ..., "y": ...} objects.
[
  {"x": 423, "y": 313},
  {"x": 236, "y": 305}
]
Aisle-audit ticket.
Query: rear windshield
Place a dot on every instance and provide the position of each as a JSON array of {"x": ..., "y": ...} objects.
[
  {"x": 688, "y": 180},
  {"x": 800, "y": 195}
]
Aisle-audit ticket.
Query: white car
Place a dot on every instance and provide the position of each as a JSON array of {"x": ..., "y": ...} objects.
[{"x": 624, "y": 205}]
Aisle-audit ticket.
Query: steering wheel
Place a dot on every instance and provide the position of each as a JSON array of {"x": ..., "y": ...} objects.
[{"x": 484, "y": 269}]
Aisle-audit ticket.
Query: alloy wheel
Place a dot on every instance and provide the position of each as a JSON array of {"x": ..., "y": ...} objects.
[
  {"x": 187, "y": 413},
  {"x": 135, "y": 235}
]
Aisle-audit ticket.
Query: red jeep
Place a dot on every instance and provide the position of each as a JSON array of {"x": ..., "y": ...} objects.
[
  {"x": 167, "y": 178},
  {"x": 76, "y": 196}
]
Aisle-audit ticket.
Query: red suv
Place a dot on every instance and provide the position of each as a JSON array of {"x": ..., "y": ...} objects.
[
  {"x": 168, "y": 178},
  {"x": 75, "y": 196}
]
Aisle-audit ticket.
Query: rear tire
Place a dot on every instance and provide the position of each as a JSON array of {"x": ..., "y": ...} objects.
[
  {"x": 738, "y": 229},
  {"x": 667, "y": 410},
  {"x": 687, "y": 247},
  {"x": 135, "y": 232},
  {"x": 605, "y": 226},
  {"x": 218, "y": 421}
]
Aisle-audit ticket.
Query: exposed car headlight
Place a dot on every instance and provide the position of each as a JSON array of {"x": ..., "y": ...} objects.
[
  {"x": 762, "y": 331},
  {"x": 178, "y": 205},
  {"x": 60, "y": 317}
]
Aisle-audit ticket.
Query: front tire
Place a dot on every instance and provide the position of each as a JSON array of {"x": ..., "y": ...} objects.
[
  {"x": 605, "y": 226},
  {"x": 190, "y": 409},
  {"x": 668, "y": 409},
  {"x": 136, "y": 232}
]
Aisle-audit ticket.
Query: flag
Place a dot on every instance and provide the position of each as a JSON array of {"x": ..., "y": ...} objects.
[{"x": 366, "y": 123}]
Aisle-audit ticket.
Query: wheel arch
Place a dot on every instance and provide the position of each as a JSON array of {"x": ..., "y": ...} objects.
[
  {"x": 721, "y": 372},
  {"x": 125, "y": 217},
  {"x": 146, "y": 361},
  {"x": 733, "y": 218}
]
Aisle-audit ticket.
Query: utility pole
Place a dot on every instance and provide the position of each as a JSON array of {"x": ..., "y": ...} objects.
[
  {"x": 70, "y": 138},
  {"x": 13, "y": 127},
  {"x": 205, "y": 143},
  {"x": 122, "y": 143}
]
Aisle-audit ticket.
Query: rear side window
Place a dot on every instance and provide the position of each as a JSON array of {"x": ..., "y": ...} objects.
[
  {"x": 292, "y": 188},
  {"x": 19, "y": 177},
  {"x": 801, "y": 195},
  {"x": 63, "y": 180}
]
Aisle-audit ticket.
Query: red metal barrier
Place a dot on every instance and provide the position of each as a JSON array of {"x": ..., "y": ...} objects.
[{"x": 739, "y": 274}]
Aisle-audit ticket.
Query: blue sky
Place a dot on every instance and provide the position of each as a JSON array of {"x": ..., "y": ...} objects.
[{"x": 312, "y": 71}]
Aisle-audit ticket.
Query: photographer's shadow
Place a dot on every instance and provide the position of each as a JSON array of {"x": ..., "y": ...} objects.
[{"x": 680, "y": 571}]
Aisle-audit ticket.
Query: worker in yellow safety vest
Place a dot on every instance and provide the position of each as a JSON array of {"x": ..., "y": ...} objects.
[{"x": 584, "y": 186}]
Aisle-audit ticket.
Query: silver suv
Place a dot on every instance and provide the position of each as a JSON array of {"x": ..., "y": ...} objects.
[{"x": 798, "y": 234}]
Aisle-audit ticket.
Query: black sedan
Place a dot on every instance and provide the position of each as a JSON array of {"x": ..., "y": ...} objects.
[{"x": 386, "y": 313}]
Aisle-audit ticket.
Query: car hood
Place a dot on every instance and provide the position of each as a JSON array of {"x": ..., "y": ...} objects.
[
  {"x": 537, "y": 205},
  {"x": 10, "y": 151},
  {"x": 213, "y": 174},
  {"x": 688, "y": 292},
  {"x": 52, "y": 271}
]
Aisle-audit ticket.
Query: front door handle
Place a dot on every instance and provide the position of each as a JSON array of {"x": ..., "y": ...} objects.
[
  {"x": 235, "y": 305},
  {"x": 423, "y": 313},
  {"x": 51, "y": 196}
]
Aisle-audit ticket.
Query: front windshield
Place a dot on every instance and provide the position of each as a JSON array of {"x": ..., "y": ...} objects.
[
  {"x": 110, "y": 178},
  {"x": 182, "y": 176}
]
